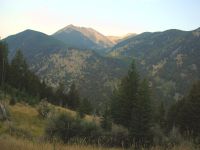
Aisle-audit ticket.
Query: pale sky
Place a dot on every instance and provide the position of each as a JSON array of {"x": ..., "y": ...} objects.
[{"x": 110, "y": 17}]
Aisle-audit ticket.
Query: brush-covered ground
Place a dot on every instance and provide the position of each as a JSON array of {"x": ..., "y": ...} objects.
[
  {"x": 24, "y": 131},
  {"x": 13, "y": 143}
]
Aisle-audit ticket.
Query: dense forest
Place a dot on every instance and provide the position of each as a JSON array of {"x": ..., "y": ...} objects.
[{"x": 129, "y": 119}]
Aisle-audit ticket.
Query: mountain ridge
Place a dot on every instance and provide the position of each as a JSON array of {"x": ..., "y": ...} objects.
[
  {"x": 54, "y": 62},
  {"x": 92, "y": 38},
  {"x": 169, "y": 59}
]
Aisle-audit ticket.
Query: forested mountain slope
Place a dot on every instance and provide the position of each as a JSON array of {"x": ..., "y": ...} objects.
[{"x": 170, "y": 59}]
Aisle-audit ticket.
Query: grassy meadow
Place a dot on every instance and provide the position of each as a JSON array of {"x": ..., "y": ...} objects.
[
  {"x": 28, "y": 129},
  {"x": 12, "y": 143}
]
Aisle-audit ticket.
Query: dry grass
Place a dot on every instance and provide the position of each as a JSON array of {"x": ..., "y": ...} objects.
[
  {"x": 183, "y": 146},
  {"x": 11, "y": 143},
  {"x": 74, "y": 113},
  {"x": 26, "y": 117}
]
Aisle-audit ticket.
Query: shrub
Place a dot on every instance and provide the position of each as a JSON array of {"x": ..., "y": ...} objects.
[
  {"x": 12, "y": 101},
  {"x": 65, "y": 127},
  {"x": 43, "y": 109},
  {"x": 61, "y": 126},
  {"x": 20, "y": 132}
]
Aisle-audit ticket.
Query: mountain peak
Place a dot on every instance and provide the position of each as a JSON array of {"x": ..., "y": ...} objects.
[
  {"x": 29, "y": 31},
  {"x": 71, "y": 26},
  {"x": 87, "y": 36}
]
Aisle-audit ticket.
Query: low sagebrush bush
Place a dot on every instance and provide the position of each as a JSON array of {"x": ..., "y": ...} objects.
[
  {"x": 65, "y": 127},
  {"x": 43, "y": 109}
]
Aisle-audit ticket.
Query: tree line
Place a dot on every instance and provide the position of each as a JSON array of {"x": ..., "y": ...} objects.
[
  {"x": 132, "y": 107},
  {"x": 19, "y": 81}
]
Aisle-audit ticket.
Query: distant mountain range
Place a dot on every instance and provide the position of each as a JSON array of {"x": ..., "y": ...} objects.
[
  {"x": 55, "y": 62},
  {"x": 170, "y": 59}
]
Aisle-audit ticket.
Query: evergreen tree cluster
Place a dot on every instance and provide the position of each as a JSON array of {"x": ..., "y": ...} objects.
[
  {"x": 17, "y": 75},
  {"x": 131, "y": 107},
  {"x": 185, "y": 113}
]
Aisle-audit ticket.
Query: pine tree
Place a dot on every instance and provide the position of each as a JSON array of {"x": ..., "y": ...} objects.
[
  {"x": 161, "y": 116},
  {"x": 188, "y": 116},
  {"x": 106, "y": 122},
  {"x": 125, "y": 97},
  {"x": 60, "y": 94},
  {"x": 73, "y": 97},
  {"x": 3, "y": 62},
  {"x": 141, "y": 121},
  {"x": 18, "y": 71},
  {"x": 85, "y": 107},
  {"x": 131, "y": 107},
  {"x": 185, "y": 113}
]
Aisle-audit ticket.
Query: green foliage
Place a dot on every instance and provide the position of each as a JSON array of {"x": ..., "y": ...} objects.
[
  {"x": 73, "y": 96},
  {"x": 54, "y": 62},
  {"x": 19, "y": 81},
  {"x": 12, "y": 101},
  {"x": 65, "y": 127},
  {"x": 161, "y": 116},
  {"x": 19, "y": 71},
  {"x": 60, "y": 126},
  {"x": 3, "y": 62},
  {"x": 141, "y": 121},
  {"x": 43, "y": 109},
  {"x": 124, "y": 97},
  {"x": 172, "y": 56},
  {"x": 106, "y": 122},
  {"x": 184, "y": 114},
  {"x": 85, "y": 107},
  {"x": 131, "y": 107},
  {"x": 61, "y": 95}
]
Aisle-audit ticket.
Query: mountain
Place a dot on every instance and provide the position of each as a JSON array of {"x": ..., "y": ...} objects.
[
  {"x": 83, "y": 38},
  {"x": 170, "y": 59},
  {"x": 33, "y": 44},
  {"x": 117, "y": 39},
  {"x": 54, "y": 62}
]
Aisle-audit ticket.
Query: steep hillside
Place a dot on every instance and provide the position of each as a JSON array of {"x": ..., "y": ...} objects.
[
  {"x": 94, "y": 74},
  {"x": 170, "y": 59},
  {"x": 83, "y": 38},
  {"x": 55, "y": 63}
]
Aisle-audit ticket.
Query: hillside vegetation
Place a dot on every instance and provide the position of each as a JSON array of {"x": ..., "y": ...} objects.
[
  {"x": 170, "y": 59},
  {"x": 55, "y": 63},
  {"x": 26, "y": 121},
  {"x": 130, "y": 116}
]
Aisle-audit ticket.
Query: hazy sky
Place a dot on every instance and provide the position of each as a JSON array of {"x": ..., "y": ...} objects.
[{"x": 110, "y": 17}]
